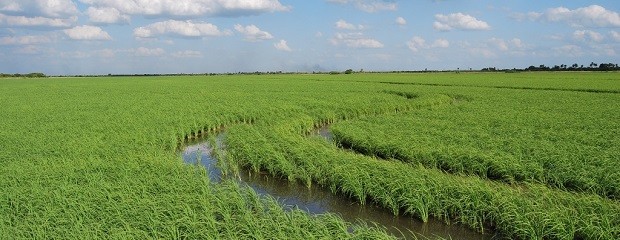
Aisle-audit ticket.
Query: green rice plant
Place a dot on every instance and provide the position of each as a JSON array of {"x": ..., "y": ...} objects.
[
  {"x": 76, "y": 163},
  {"x": 530, "y": 211}
]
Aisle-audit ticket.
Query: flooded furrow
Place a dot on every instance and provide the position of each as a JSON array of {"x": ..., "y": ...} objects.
[{"x": 318, "y": 200}]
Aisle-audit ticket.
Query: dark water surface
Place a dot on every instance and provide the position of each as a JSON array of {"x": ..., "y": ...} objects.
[{"x": 317, "y": 200}]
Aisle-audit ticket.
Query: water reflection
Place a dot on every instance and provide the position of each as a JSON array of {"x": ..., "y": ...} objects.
[{"x": 316, "y": 199}]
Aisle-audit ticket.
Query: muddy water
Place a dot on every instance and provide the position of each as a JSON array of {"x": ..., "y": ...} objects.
[{"x": 316, "y": 200}]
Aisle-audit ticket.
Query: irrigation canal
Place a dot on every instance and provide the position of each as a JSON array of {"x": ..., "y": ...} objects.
[{"x": 317, "y": 200}]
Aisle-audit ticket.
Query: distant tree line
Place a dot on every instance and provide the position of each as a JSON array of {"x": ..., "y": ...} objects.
[
  {"x": 18, "y": 75},
  {"x": 563, "y": 67}
]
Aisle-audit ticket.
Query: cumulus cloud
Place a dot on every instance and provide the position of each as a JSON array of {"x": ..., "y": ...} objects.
[
  {"x": 190, "y": 8},
  {"x": 369, "y": 5},
  {"x": 24, "y": 40},
  {"x": 282, "y": 46},
  {"x": 401, "y": 21},
  {"x": 458, "y": 21},
  {"x": 40, "y": 14},
  {"x": 41, "y": 8},
  {"x": 418, "y": 43},
  {"x": 344, "y": 25},
  {"x": 178, "y": 28},
  {"x": 252, "y": 33},
  {"x": 499, "y": 43},
  {"x": 355, "y": 40},
  {"x": 187, "y": 54},
  {"x": 36, "y": 22},
  {"x": 147, "y": 52},
  {"x": 517, "y": 43},
  {"x": 568, "y": 50},
  {"x": 106, "y": 15},
  {"x": 615, "y": 35},
  {"x": 87, "y": 33},
  {"x": 590, "y": 16},
  {"x": 441, "y": 43},
  {"x": 587, "y": 35},
  {"x": 104, "y": 53},
  {"x": 513, "y": 46},
  {"x": 481, "y": 52}
]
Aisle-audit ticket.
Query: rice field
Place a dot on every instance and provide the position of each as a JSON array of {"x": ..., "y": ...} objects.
[{"x": 527, "y": 156}]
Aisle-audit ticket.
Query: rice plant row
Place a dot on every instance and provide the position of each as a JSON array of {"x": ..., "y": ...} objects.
[
  {"x": 525, "y": 211},
  {"x": 97, "y": 157},
  {"x": 564, "y": 140}
]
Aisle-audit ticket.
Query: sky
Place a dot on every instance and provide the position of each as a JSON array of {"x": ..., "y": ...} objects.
[{"x": 70, "y": 37}]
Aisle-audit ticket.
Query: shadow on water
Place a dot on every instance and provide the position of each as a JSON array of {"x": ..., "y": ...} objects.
[{"x": 317, "y": 200}]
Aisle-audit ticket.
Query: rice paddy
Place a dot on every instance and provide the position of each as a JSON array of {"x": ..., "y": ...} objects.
[{"x": 526, "y": 156}]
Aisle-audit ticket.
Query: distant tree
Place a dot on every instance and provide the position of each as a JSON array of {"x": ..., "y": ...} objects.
[
  {"x": 593, "y": 65},
  {"x": 35, "y": 75},
  {"x": 607, "y": 66},
  {"x": 348, "y": 71}
]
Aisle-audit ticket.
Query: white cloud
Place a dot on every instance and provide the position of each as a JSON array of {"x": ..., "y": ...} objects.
[
  {"x": 514, "y": 46},
  {"x": 587, "y": 35},
  {"x": 76, "y": 54},
  {"x": 41, "y": 8},
  {"x": 369, "y": 5},
  {"x": 103, "y": 53},
  {"x": 87, "y": 33},
  {"x": 106, "y": 15},
  {"x": 187, "y": 54},
  {"x": 499, "y": 43},
  {"x": 190, "y": 8},
  {"x": 482, "y": 52},
  {"x": 24, "y": 40},
  {"x": 418, "y": 43},
  {"x": 252, "y": 33},
  {"x": 22, "y": 21},
  {"x": 10, "y": 7},
  {"x": 30, "y": 50},
  {"x": 178, "y": 28},
  {"x": 355, "y": 40},
  {"x": 401, "y": 21},
  {"x": 147, "y": 52},
  {"x": 282, "y": 46},
  {"x": 517, "y": 43},
  {"x": 615, "y": 35},
  {"x": 568, "y": 50},
  {"x": 603, "y": 49},
  {"x": 590, "y": 16},
  {"x": 106, "y": 53},
  {"x": 458, "y": 21},
  {"x": 441, "y": 43},
  {"x": 344, "y": 25}
]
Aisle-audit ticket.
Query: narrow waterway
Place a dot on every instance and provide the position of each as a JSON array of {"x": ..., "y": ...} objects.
[{"x": 316, "y": 200}]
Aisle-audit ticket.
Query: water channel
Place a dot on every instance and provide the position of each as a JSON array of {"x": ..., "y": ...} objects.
[{"x": 316, "y": 200}]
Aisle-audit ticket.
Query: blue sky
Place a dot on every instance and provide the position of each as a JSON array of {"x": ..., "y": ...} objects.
[{"x": 60, "y": 37}]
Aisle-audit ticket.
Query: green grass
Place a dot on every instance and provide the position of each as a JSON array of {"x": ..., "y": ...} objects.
[
  {"x": 567, "y": 140},
  {"x": 96, "y": 157}
]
